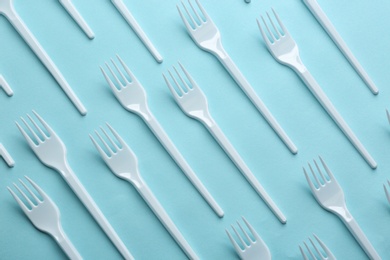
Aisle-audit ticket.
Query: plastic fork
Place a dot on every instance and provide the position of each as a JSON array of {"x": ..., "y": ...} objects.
[
  {"x": 320, "y": 254},
  {"x": 207, "y": 36},
  {"x": 7, "y": 9},
  {"x": 253, "y": 249},
  {"x": 44, "y": 215},
  {"x": 5, "y": 86},
  {"x": 387, "y": 192},
  {"x": 284, "y": 49},
  {"x": 194, "y": 104},
  {"x": 131, "y": 95},
  {"x": 388, "y": 115},
  {"x": 71, "y": 9},
  {"x": 330, "y": 196},
  {"x": 125, "y": 12},
  {"x": 51, "y": 151},
  {"x": 321, "y": 17},
  {"x": 6, "y": 156},
  {"x": 124, "y": 164}
]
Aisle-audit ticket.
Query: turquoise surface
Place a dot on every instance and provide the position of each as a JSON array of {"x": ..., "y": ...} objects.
[{"x": 364, "y": 26}]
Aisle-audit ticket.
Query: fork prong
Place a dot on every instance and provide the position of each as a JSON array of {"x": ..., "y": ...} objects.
[
  {"x": 26, "y": 136},
  {"x": 239, "y": 237},
  {"x": 234, "y": 243},
  {"x": 316, "y": 248},
  {"x": 37, "y": 188},
  {"x": 303, "y": 253},
  {"x": 128, "y": 71},
  {"x": 265, "y": 37},
  {"x": 285, "y": 32},
  {"x": 330, "y": 174},
  {"x": 45, "y": 125},
  {"x": 195, "y": 12},
  {"x": 310, "y": 252},
  {"x": 177, "y": 83},
  {"x": 25, "y": 196},
  {"x": 30, "y": 191},
  {"x": 97, "y": 146},
  {"x": 206, "y": 16},
  {"x": 324, "y": 247},
  {"x": 19, "y": 201},
  {"x": 108, "y": 148},
  {"x": 36, "y": 137},
  {"x": 117, "y": 136},
  {"x": 189, "y": 77},
  {"x": 119, "y": 83},
  {"x": 120, "y": 72},
  {"x": 319, "y": 170},
  {"x": 185, "y": 21},
  {"x": 181, "y": 79},
  {"x": 36, "y": 126},
  {"x": 171, "y": 88},
  {"x": 253, "y": 231},
  {"x": 109, "y": 81},
  {"x": 315, "y": 176},
  {"x": 309, "y": 181},
  {"x": 245, "y": 233},
  {"x": 110, "y": 139},
  {"x": 273, "y": 25},
  {"x": 387, "y": 191}
]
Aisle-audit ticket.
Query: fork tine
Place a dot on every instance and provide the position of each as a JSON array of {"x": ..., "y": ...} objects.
[
  {"x": 310, "y": 252},
  {"x": 245, "y": 233},
  {"x": 38, "y": 140},
  {"x": 110, "y": 139},
  {"x": 316, "y": 248},
  {"x": 203, "y": 11},
  {"x": 120, "y": 72},
  {"x": 387, "y": 191},
  {"x": 265, "y": 37},
  {"x": 324, "y": 247},
  {"x": 181, "y": 78},
  {"x": 253, "y": 231},
  {"x": 303, "y": 253},
  {"x": 108, "y": 148},
  {"x": 330, "y": 174},
  {"x": 195, "y": 12},
  {"x": 37, "y": 188},
  {"x": 234, "y": 243},
  {"x": 187, "y": 24},
  {"x": 19, "y": 201},
  {"x": 273, "y": 25},
  {"x": 120, "y": 85},
  {"x": 315, "y": 176},
  {"x": 36, "y": 126},
  {"x": 117, "y": 136},
  {"x": 171, "y": 88},
  {"x": 319, "y": 170},
  {"x": 285, "y": 32},
  {"x": 30, "y": 191},
  {"x": 268, "y": 29},
  {"x": 190, "y": 78},
  {"x": 239, "y": 237},
  {"x": 26, "y": 136},
  {"x": 97, "y": 146},
  {"x": 309, "y": 181},
  {"x": 128, "y": 71},
  {"x": 45, "y": 125},
  {"x": 177, "y": 83},
  {"x": 25, "y": 196},
  {"x": 109, "y": 81}
]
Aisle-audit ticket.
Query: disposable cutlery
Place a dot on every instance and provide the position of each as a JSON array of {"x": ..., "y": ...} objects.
[
  {"x": 330, "y": 196},
  {"x": 5, "y": 86},
  {"x": 124, "y": 164},
  {"x": 324, "y": 254},
  {"x": 388, "y": 115},
  {"x": 323, "y": 19},
  {"x": 387, "y": 191},
  {"x": 51, "y": 151},
  {"x": 6, "y": 156},
  {"x": 284, "y": 49},
  {"x": 7, "y": 9},
  {"x": 253, "y": 249},
  {"x": 44, "y": 215},
  {"x": 122, "y": 8},
  {"x": 193, "y": 102},
  {"x": 68, "y": 5},
  {"x": 207, "y": 36},
  {"x": 131, "y": 95}
]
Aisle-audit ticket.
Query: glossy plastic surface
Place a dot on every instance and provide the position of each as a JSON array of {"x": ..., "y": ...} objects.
[
  {"x": 324, "y": 253},
  {"x": 71, "y": 9},
  {"x": 5, "y": 86},
  {"x": 6, "y": 156}
]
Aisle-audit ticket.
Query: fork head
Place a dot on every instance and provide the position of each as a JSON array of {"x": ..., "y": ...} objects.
[
  {"x": 199, "y": 25},
  {"x": 42, "y": 212},
  {"x": 325, "y": 189},
  {"x": 253, "y": 248},
  {"x": 387, "y": 190},
  {"x": 126, "y": 87},
  {"x": 117, "y": 154},
  {"x": 187, "y": 93},
  {"x": 324, "y": 254},
  {"x": 278, "y": 40},
  {"x": 45, "y": 143}
]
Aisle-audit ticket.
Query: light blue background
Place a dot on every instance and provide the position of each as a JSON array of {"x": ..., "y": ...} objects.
[{"x": 364, "y": 26}]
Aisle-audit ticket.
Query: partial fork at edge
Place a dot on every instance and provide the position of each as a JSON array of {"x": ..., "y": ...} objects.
[
  {"x": 207, "y": 36},
  {"x": 387, "y": 190},
  {"x": 51, "y": 151},
  {"x": 5, "y": 86},
  {"x": 285, "y": 50},
  {"x": 6, "y": 156},
  {"x": 193, "y": 103},
  {"x": 327, "y": 256},
  {"x": 329, "y": 194},
  {"x": 253, "y": 249},
  {"x": 124, "y": 164},
  {"x": 44, "y": 215},
  {"x": 132, "y": 96}
]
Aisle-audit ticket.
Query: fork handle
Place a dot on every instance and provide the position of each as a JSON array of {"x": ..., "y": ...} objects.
[
  {"x": 162, "y": 215},
  {"x": 90, "y": 204},
  {"x": 250, "y": 92},
  {"x": 361, "y": 238},
  {"x": 322, "y": 18},
  {"x": 320, "y": 95},
  {"x": 241, "y": 165},
  {"x": 164, "y": 139},
  {"x": 66, "y": 245},
  {"x": 23, "y": 30}
]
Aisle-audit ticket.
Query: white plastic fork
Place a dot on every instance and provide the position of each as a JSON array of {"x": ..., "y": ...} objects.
[
  {"x": 122, "y": 8},
  {"x": 131, "y": 95},
  {"x": 45, "y": 216},
  {"x": 327, "y": 256},
  {"x": 193, "y": 103},
  {"x": 330, "y": 196},
  {"x": 124, "y": 164},
  {"x": 387, "y": 191},
  {"x": 6, "y": 156},
  {"x": 253, "y": 249},
  {"x": 7, "y": 9},
  {"x": 284, "y": 49},
  {"x": 71, "y": 9},
  {"x": 321, "y": 17},
  {"x": 207, "y": 36},
  {"x": 5, "y": 86},
  {"x": 51, "y": 151}
]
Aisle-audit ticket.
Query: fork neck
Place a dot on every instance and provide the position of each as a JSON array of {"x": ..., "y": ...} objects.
[
  {"x": 215, "y": 47},
  {"x": 203, "y": 116},
  {"x": 343, "y": 212},
  {"x": 141, "y": 110},
  {"x": 7, "y": 9},
  {"x": 294, "y": 61}
]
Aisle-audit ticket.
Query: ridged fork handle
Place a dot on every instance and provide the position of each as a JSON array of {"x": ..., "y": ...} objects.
[
  {"x": 250, "y": 92},
  {"x": 66, "y": 245},
  {"x": 22, "y": 29},
  {"x": 320, "y": 15},
  {"x": 360, "y": 237},
  {"x": 320, "y": 95},
  {"x": 162, "y": 215},
  {"x": 241, "y": 165},
  {"x": 164, "y": 139},
  {"x": 90, "y": 204}
]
